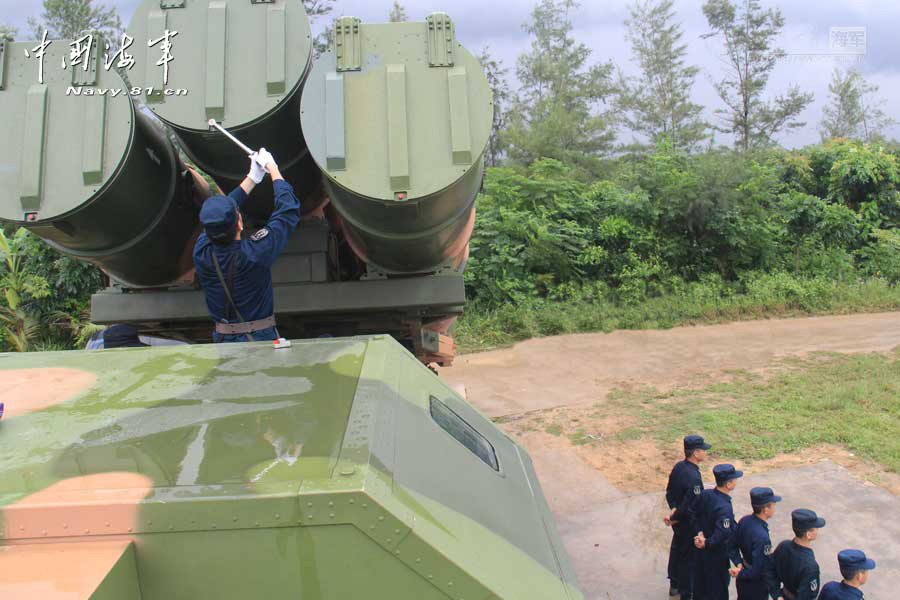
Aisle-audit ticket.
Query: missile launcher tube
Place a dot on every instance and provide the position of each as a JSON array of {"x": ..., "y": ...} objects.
[
  {"x": 398, "y": 117},
  {"x": 92, "y": 175},
  {"x": 241, "y": 63}
]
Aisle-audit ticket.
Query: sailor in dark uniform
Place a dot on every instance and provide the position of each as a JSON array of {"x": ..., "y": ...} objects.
[
  {"x": 715, "y": 529},
  {"x": 753, "y": 548},
  {"x": 685, "y": 486},
  {"x": 236, "y": 273},
  {"x": 855, "y": 567},
  {"x": 794, "y": 560}
]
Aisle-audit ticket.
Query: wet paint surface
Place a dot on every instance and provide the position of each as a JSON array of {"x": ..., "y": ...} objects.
[
  {"x": 198, "y": 418},
  {"x": 315, "y": 469}
]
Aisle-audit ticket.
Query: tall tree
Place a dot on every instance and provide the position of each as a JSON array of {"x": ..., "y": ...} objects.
[
  {"x": 398, "y": 13},
  {"x": 852, "y": 111},
  {"x": 657, "y": 103},
  {"x": 314, "y": 10},
  {"x": 73, "y": 18},
  {"x": 557, "y": 113},
  {"x": 496, "y": 76},
  {"x": 8, "y": 31},
  {"x": 749, "y": 34}
]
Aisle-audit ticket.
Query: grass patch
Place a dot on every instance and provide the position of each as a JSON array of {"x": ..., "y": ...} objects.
[
  {"x": 553, "y": 429},
  {"x": 850, "y": 400},
  {"x": 763, "y": 296}
]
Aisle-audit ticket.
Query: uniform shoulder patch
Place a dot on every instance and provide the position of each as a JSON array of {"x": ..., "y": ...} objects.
[
  {"x": 697, "y": 490},
  {"x": 768, "y": 550},
  {"x": 814, "y": 585},
  {"x": 259, "y": 235},
  {"x": 726, "y": 523}
]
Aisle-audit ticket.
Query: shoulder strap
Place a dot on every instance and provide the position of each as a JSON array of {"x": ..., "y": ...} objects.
[{"x": 226, "y": 287}]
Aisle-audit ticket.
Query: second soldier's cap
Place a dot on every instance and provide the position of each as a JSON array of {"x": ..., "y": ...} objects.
[
  {"x": 726, "y": 472},
  {"x": 760, "y": 496},
  {"x": 855, "y": 560},
  {"x": 218, "y": 215},
  {"x": 803, "y": 518},
  {"x": 695, "y": 442}
]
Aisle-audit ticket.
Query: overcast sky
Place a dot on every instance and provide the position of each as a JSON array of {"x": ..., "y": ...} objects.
[{"x": 599, "y": 25}]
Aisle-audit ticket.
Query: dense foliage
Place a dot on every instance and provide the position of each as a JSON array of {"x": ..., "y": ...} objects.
[
  {"x": 666, "y": 219},
  {"x": 44, "y": 295}
]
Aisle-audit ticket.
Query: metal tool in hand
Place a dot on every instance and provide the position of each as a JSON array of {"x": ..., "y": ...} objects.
[{"x": 212, "y": 123}]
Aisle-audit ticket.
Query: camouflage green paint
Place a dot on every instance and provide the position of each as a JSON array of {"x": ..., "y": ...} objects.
[
  {"x": 314, "y": 471},
  {"x": 400, "y": 141}
]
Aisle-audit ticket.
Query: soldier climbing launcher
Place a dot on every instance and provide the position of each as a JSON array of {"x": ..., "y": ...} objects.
[{"x": 382, "y": 138}]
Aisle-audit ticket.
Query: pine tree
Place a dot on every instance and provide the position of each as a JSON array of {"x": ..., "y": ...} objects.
[
  {"x": 852, "y": 111},
  {"x": 657, "y": 103},
  {"x": 70, "y": 19},
  {"x": 496, "y": 76},
  {"x": 749, "y": 34},
  {"x": 398, "y": 13},
  {"x": 557, "y": 110},
  {"x": 314, "y": 10}
]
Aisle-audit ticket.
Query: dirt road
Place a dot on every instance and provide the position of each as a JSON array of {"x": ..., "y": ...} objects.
[
  {"x": 600, "y": 500},
  {"x": 576, "y": 370}
]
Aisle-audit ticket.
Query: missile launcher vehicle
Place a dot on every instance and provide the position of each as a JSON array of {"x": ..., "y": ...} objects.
[
  {"x": 317, "y": 469},
  {"x": 382, "y": 138}
]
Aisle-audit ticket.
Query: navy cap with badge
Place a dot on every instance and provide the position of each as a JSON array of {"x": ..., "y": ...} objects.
[
  {"x": 695, "y": 442},
  {"x": 804, "y": 519},
  {"x": 218, "y": 215},
  {"x": 855, "y": 560},
  {"x": 724, "y": 473},
  {"x": 761, "y": 496}
]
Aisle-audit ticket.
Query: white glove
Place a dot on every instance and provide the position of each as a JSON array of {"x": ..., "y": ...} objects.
[
  {"x": 265, "y": 158},
  {"x": 257, "y": 170}
]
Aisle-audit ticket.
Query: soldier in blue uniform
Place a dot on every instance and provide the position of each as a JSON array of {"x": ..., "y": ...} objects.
[
  {"x": 794, "y": 561},
  {"x": 715, "y": 529},
  {"x": 855, "y": 567},
  {"x": 753, "y": 548},
  {"x": 236, "y": 274},
  {"x": 685, "y": 486}
]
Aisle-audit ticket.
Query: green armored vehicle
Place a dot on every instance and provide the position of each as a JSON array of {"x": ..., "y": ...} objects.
[{"x": 333, "y": 469}]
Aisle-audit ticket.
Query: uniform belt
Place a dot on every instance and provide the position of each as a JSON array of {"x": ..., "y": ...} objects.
[{"x": 246, "y": 327}]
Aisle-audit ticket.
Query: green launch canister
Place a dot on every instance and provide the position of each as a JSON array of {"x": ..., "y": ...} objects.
[
  {"x": 240, "y": 62},
  {"x": 398, "y": 116},
  {"x": 86, "y": 171}
]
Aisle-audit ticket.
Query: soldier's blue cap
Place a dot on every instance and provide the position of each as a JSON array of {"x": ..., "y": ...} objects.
[
  {"x": 760, "y": 496},
  {"x": 803, "y": 518},
  {"x": 218, "y": 215},
  {"x": 695, "y": 442},
  {"x": 726, "y": 472},
  {"x": 855, "y": 560}
]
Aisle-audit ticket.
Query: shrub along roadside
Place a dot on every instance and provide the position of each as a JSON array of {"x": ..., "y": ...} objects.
[{"x": 755, "y": 296}]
